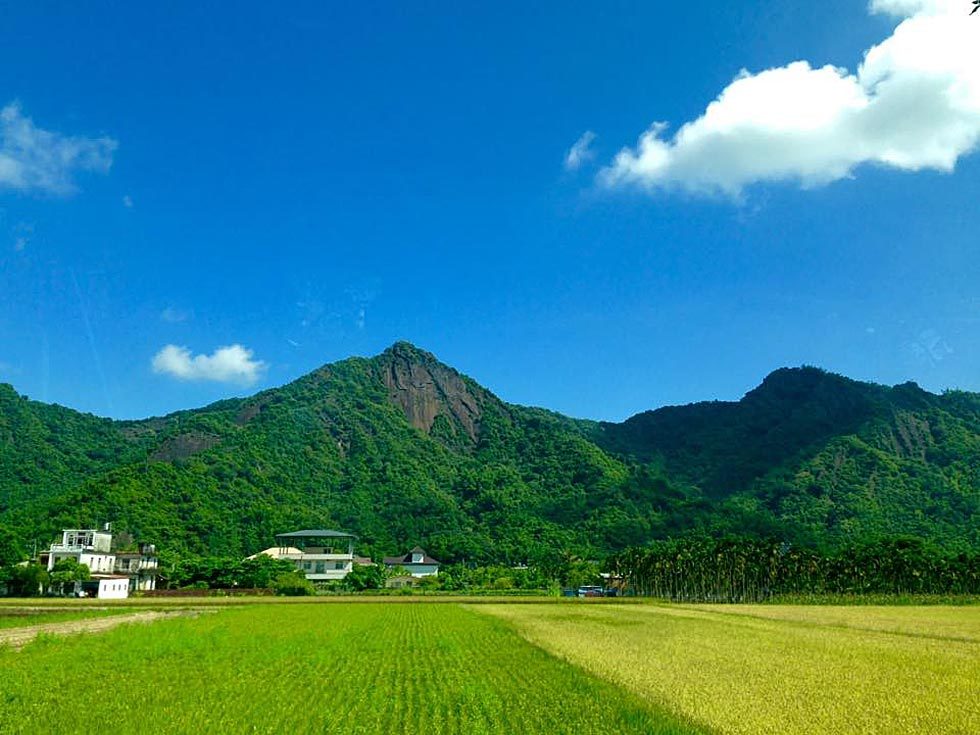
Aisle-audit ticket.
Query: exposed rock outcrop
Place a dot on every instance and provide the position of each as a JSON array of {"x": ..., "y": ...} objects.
[
  {"x": 424, "y": 388},
  {"x": 186, "y": 445}
]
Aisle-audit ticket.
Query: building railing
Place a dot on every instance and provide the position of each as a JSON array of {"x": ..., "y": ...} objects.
[{"x": 136, "y": 565}]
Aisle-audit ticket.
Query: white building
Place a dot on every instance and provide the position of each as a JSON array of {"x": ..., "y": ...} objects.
[
  {"x": 114, "y": 575},
  {"x": 110, "y": 587},
  {"x": 139, "y": 567},
  {"x": 86, "y": 546},
  {"x": 321, "y": 555},
  {"x": 416, "y": 562}
]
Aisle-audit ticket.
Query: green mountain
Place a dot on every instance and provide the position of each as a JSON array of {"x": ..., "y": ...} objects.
[
  {"x": 826, "y": 458},
  {"x": 401, "y": 449}
]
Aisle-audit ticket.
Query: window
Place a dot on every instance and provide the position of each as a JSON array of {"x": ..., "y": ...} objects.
[
  {"x": 338, "y": 565},
  {"x": 320, "y": 567}
]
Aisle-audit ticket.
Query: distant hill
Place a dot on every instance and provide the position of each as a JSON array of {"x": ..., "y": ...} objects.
[
  {"x": 402, "y": 449},
  {"x": 831, "y": 459}
]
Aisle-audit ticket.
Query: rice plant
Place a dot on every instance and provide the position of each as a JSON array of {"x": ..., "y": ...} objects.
[
  {"x": 337, "y": 668},
  {"x": 772, "y": 669}
]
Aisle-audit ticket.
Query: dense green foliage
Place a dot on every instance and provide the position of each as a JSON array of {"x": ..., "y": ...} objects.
[
  {"x": 402, "y": 450},
  {"x": 24, "y": 580},
  {"x": 365, "y": 577},
  {"x": 223, "y": 573},
  {"x": 750, "y": 570},
  {"x": 309, "y": 668},
  {"x": 66, "y": 573},
  {"x": 293, "y": 584},
  {"x": 816, "y": 458}
]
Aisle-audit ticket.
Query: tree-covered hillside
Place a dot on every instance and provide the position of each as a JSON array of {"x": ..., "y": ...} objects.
[
  {"x": 401, "y": 449},
  {"x": 831, "y": 460}
]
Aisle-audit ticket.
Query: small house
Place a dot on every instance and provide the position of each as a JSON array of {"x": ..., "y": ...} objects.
[
  {"x": 416, "y": 563},
  {"x": 106, "y": 587}
]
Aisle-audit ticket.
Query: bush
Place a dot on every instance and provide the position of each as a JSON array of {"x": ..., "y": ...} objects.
[
  {"x": 365, "y": 577},
  {"x": 293, "y": 584},
  {"x": 26, "y": 580}
]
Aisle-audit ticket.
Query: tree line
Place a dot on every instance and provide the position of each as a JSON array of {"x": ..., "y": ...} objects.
[{"x": 753, "y": 570}]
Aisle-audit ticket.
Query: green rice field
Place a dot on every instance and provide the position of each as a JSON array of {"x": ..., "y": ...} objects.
[
  {"x": 268, "y": 668},
  {"x": 446, "y": 667}
]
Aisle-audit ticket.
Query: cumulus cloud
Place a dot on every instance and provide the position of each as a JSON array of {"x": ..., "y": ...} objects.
[
  {"x": 34, "y": 159},
  {"x": 904, "y": 8},
  {"x": 232, "y": 364},
  {"x": 580, "y": 152},
  {"x": 912, "y": 104}
]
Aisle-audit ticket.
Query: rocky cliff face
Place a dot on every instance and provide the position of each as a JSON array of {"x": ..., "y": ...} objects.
[
  {"x": 424, "y": 388},
  {"x": 186, "y": 445}
]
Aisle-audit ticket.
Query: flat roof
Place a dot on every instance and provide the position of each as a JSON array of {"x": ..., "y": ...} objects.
[{"x": 321, "y": 533}]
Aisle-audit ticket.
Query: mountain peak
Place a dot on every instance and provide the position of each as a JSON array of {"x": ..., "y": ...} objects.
[
  {"x": 425, "y": 389},
  {"x": 790, "y": 384},
  {"x": 404, "y": 350}
]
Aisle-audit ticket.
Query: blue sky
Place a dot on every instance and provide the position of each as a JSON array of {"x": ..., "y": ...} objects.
[{"x": 309, "y": 183}]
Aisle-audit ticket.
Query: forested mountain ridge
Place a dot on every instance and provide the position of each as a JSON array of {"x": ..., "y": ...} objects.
[
  {"x": 833, "y": 457},
  {"x": 402, "y": 449}
]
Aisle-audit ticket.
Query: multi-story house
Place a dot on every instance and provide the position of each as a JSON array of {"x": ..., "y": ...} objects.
[
  {"x": 113, "y": 574},
  {"x": 321, "y": 555}
]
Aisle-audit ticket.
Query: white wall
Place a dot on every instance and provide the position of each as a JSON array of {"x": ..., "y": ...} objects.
[
  {"x": 113, "y": 589},
  {"x": 98, "y": 563},
  {"x": 307, "y": 564}
]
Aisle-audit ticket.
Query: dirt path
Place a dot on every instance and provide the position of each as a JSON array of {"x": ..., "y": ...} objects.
[{"x": 19, "y": 637}]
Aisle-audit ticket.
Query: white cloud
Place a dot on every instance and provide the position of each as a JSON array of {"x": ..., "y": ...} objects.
[
  {"x": 580, "y": 152},
  {"x": 913, "y": 104},
  {"x": 33, "y": 159},
  {"x": 232, "y": 364},
  {"x": 127, "y": 201},
  {"x": 903, "y": 8}
]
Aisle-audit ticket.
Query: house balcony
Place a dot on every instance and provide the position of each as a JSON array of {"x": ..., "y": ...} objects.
[
  {"x": 69, "y": 548},
  {"x": 322, "y": 567},
  {"x": 133, "y": 566}
]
